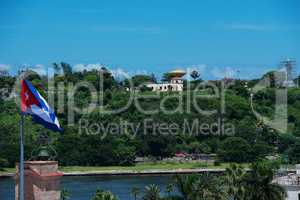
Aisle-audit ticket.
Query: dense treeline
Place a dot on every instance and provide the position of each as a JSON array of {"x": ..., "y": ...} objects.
[{"x": 251, "y": 139}]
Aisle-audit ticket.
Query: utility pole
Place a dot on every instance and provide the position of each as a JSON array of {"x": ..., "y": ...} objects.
[{"x": 21, "y": 165}]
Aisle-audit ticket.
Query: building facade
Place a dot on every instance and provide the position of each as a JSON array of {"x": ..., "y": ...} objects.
[{"x": 173, "y": 82}]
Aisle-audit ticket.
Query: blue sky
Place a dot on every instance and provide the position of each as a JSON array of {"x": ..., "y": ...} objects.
[{"x": 248, "y": 36}]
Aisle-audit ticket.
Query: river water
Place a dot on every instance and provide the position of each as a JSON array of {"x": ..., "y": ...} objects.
[{"x": 83, "y": 187}]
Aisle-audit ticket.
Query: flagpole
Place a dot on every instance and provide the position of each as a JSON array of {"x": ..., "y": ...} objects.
[{"x": 21, "y": 165}]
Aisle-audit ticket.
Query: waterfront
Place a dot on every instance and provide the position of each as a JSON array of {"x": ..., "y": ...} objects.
[{"x": 83, "y": 187}]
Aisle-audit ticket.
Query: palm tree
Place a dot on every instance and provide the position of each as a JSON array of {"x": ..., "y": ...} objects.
[
  {"x": 185, "y": 185},
  {"x": 169, "y": 189},
  {"x": 259, "y": 183},
  {"x": 56, "y": 68},
  {"x": 104, "y": 195},
  {"x": 64, "y": 194},
  {"x": 135, "y": 191},
  {"x": 201, "y": 187},
  {"x": 152, "y": 192},
  {"x": 235, "y": 182},
  {"x": 208, "y": 187}
]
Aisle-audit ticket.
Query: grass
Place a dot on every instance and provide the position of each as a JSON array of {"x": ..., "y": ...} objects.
[
  {"x": 145, "y": 167},
  {"x": 7, "y": 170},
  {"x": 138, "y": 167}
]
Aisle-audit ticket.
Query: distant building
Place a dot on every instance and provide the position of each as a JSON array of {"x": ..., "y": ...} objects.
[
  {"x": 291, "y": 183},
  {"x": 173, "y": 81}
]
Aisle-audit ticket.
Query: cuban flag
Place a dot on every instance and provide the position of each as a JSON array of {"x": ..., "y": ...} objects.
[{"x": 32, "y": 103}]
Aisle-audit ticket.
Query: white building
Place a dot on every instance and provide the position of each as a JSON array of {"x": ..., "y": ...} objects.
[
  {"x": 174, "y": 82},
  {"x": 291, "y": 183}
]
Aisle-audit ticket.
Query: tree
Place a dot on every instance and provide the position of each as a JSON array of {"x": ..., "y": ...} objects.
[
  {"x": 152, "y": 192},
  {"x": 235, "y": 182},
  {"x": 261, "y": 149},
  {"x": 195, "y": 74},
  {"x": 140, "y": 79},
  {"x": 104, "y": 195},
  {"x": 208, "y": 187},
  {"x": 194, "y": 147},
  {"x": 135, "y": 191},
  {"x": 158, "y": 146},
  {"x": 153, "y": 78},
  {"x": 3, "y": 163},
  {"x": 169, "y": 189},
  {"x": 64, "y": 195},
  {"x": 67, "y": 69},
  {"x": 202, "y": 147},
  {"x": 235, "y": 149},
  {"x": 294, "y": 153},
  {"x": 56, "y": 68},
  {"x": 185, "y": 185},
  {"x": 200, "y": 187},
  {"x": 259, "y": 185},
  {"x": 166, "y": 77}
]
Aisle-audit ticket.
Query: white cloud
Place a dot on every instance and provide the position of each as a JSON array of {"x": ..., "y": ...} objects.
[
  {"x": 119, "y": 74},
  {"x": 227, "y": 72},
  {"x": 4, "y": 67},
  {"x": 88, "y": 67},
  {"x": 39, "y": 68}
]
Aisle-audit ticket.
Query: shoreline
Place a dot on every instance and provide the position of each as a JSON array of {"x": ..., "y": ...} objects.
[
  {"x": 143, "y": 172},
  {"x": 130, "y": 172},
  {"x": 136, "y": 173}
]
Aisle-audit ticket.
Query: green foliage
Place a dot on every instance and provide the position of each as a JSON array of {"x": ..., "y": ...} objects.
[
  {"x": 203, "y": 147},
  {"x": 259, "y": 183},
  {"x": 158, "y": 146},
  {"x": 135, "y": 192},
  {"x": 139, "y": 80},
  {"x": 64, "y": 195},
  {"x": 294, "y": 153},
  {"x": 104, "y": 195},
  {"x": 152, "y": 192},
  {"x": 3, "y": 163},
  {"x": 261, "y": 150},
  {"x": 236, "y": 184},
  {"x": 203, "y": 187},
  {"x": 250, "y": 142},
  {"x": 169, "y": 189},
  {"x": 235, "y": 149},
  {"x": 93, "y": 151},
  {"x": 171, "y": 198}
]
